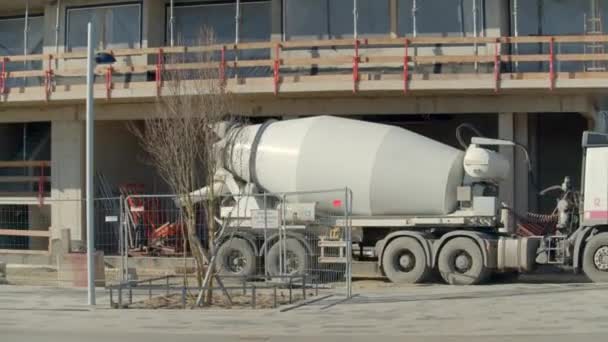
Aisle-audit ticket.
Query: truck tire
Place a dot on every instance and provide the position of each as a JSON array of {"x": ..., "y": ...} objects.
[
  {"x": 404, "y": 261},
  {"x": 460, "y": 262},
  {"x": 297, "y": 258},
  {"x": 595, "y": 258},
  {"x": 236, "y": 257}
]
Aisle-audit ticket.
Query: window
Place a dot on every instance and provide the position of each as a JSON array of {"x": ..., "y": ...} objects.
[
  {"x": 319, "y": 19},
  {"x": 12, "y": 38},
  {"x": 439, "y": 17},
  {"x": 115, "y": 27},
  {"x": 12, "y": 41},
  {"x": 190, "y": 21}
]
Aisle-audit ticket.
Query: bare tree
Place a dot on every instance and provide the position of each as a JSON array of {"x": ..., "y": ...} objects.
[{"x": 180, "y": 139}]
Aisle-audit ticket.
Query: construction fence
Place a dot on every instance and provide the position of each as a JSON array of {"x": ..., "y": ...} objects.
[{"x": 285, "y": 241}]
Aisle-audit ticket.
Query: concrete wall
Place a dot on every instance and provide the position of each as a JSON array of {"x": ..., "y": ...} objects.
[
  {"x": 119, "y": 157},
  {"x": 67, "y": 180}
]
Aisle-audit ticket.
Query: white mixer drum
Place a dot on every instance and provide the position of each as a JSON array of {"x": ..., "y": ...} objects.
[{"x": 390, "y": 170}]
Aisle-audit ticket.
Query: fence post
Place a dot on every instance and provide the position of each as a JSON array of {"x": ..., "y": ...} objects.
[
  {"x": 349, "y": 245},
  {"x": 253, "y": 295}
]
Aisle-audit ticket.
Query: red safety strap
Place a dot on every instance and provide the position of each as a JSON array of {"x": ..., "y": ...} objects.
[
  {"x": 223, "y": 65},
  {"x": 160, "y": 62},
  {"x": 41, "y": 186},
  {"x": 235, "y": 64},
  {"x": 277, "y": 68},
  {"x": 406, "y": 67},
  {"x": 356, "y": 60},
  {"x": 109, "y": 71},
  {"x": 497, "y": 66},
  {"x": 48, "y": 78},
  {"x": 552, "y": 63},
  {"x": 3, "y": 76}
]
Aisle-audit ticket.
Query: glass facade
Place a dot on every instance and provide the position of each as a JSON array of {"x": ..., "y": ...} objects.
[
  {"x": 12, "y": 40},
  {"x": 192, "y": 20},
  {"x": 333, "y": 19},
  {"x": 115, "y": 27}
]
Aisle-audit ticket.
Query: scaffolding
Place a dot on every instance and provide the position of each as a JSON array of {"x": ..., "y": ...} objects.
[{"x": 594, "y": 27}]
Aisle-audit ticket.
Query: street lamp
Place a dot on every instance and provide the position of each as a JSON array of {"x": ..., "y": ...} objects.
[{"x": 100, "y": 58}]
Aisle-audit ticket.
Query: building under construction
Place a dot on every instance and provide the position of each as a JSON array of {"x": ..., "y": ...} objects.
[{"x": 531, "y": 71}]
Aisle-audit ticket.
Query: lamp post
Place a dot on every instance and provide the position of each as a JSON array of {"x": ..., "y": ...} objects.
[{"x": 100, "y": 58}]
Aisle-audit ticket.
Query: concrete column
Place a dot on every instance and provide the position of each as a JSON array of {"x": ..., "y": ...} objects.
[
  {"x": 39, "y": 220},
  {"x": 67, "y": 178},
  {"x": 394, "y": 18},
  {"x": 506, "y": 132},
  {"x": 153, "y": 23},
  {"x": 277, "y": 20},
  {"x": 533, "y": 140},
  {"x": 521, "y": 172},
  {"x": 514, "y": 190},
  {"x": 498, "y": 14}
]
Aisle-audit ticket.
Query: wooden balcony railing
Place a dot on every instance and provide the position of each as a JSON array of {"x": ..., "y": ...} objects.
[
  {"x": 46, "y": 234},
  {"x": 40, "y": 181},
  {"x": 400, "y": 60}
]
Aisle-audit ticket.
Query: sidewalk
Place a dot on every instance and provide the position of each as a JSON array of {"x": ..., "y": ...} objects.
[{"x": 492, "y": 312}]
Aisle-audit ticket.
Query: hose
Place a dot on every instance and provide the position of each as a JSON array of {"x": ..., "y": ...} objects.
[{"x": 459, "y": 137}]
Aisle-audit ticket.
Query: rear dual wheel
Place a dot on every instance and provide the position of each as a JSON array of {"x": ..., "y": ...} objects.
[
  {"x": 404, "y": 261},
  {"x": 461, "y": 262}
]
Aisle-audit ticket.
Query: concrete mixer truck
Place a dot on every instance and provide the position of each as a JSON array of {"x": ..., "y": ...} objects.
[{"x": 418, "y": 206}]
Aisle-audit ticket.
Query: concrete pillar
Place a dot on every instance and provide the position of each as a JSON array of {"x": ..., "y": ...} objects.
[
  {"x": 497, "y": 18},
  {"x": 154, "y": 23},
  {"x": 506, "y": 132},
  {"x": 394, "y": 18},
  {"x": 533, "y": 141},
  {"x": 277, "y": 20},
  {"x": 38, "y": 217},
  {"x": 67, "y": 178},
  {"x": 522, "y": 170},
  {"x": 514, "y": 191}
]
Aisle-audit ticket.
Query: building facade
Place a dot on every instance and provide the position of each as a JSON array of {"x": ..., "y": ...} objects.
[{"x": 531, "y": 71}]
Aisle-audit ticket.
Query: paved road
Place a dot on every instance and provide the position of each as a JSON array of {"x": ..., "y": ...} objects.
[{"x": 507, "y": 312}]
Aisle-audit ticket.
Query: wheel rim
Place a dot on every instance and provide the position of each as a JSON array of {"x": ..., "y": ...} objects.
[
  {"x": 236, "y": 261},
  {"x": 463, "y": 262},
  {"x": 405, "y": 261},
  {"x": 600, "y": 259}
]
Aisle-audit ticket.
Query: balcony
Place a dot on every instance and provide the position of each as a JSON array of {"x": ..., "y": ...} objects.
[{"x": 386, "y": 66}]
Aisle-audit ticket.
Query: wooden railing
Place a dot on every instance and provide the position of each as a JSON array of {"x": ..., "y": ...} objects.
[
  {"x": 41, "y": 180},
  {"x": 355, "y": 56},
  {"x": 30, "y": 234}
]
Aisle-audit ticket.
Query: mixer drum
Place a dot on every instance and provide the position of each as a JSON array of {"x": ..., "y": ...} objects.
[{"x": 390, "y": 170}]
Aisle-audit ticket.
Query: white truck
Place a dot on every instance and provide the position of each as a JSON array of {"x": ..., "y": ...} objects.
[{"x": 418, "y": 205}]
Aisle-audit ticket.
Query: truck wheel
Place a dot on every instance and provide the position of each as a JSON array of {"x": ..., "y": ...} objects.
[
  {"x": 595, "y": 258},
  {"x": 461, "y": 262},
  {"x": 404, "y": 261},
  {"x": 236, "y": 257},
  {"x": 296, "y": 258}
]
